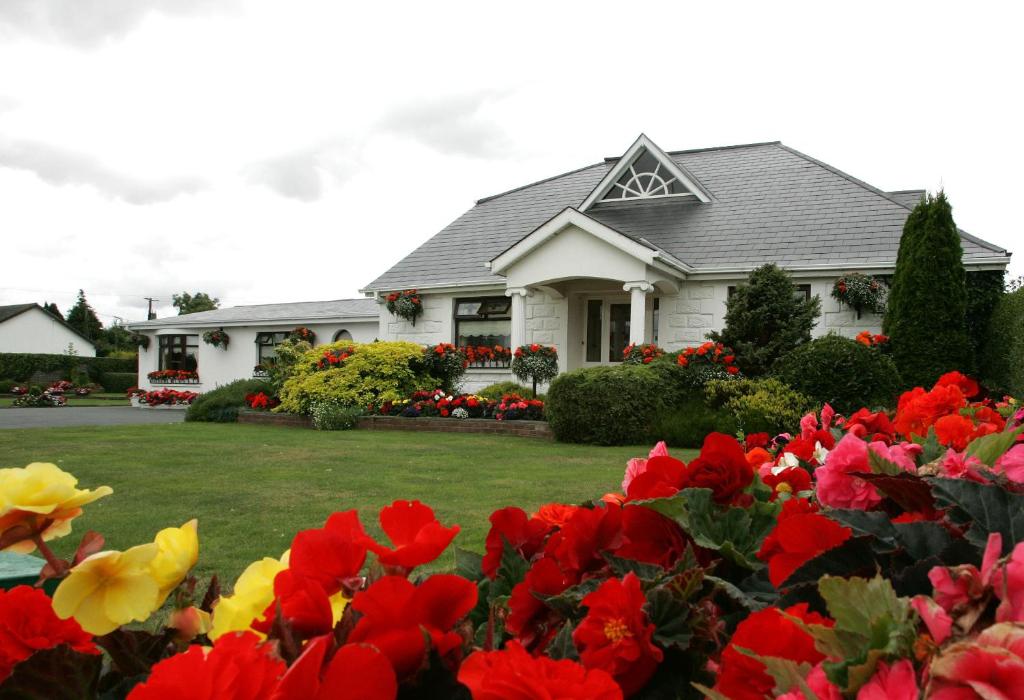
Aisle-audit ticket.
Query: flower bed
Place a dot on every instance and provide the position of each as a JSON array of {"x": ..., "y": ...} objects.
[
  {"x": 440, "y": 404},
  {"x": 873, "y": 556},
  {"x": 163, "y": 398},
  {"x": 173, "y": 376}
]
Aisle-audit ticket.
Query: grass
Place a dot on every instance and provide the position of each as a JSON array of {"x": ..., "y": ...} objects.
[{"x": 253, "y": 487}]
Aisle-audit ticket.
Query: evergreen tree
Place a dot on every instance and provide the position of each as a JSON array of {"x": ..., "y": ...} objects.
[
  {"x": 189, "y": 304},
  {"x": 83, "y": 319},
  {"x": 925, "y": 318},
  {"x": 765, "y": 319},
  {"x": 52, "y": 308}
]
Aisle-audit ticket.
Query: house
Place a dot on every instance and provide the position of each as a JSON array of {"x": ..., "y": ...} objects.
[
  {"x": 176, "y": 342},
  {"x": 645, "y": 247},
  {"x": 28, "y": 328}
]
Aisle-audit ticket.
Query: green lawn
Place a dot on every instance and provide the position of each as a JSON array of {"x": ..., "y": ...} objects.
[{"x": 253, "y": 487}]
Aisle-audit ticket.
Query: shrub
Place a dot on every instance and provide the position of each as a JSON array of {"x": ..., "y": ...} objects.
[
  {"x": 682, "y": 384},
  {"x": 1003, "y": 361},
  {"x": 496, "y": 391},
  {"x": 6, "y": 385},
  {"x": 118, "y": 382},
  {"x": 604, "y": 405},
  {"x": 925, "y": 319},
  {"x": 221, "y": 405},
  {"x": 372, "y": 374},
  {"x": 687, "y": 424},
  {"x": 765, "y": 319},
  {"x": 328, "y": 414},
  {"x": 984, "y": 290},
  {"x": 759, "y": 405},
  {"x": 841, "y": 372}
]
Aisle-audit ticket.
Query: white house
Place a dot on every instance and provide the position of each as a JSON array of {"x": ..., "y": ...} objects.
[
  {"x": 176, "y": 342},
  {"x": 29, "y": 328},
  {"x": 644, "y": 247}
]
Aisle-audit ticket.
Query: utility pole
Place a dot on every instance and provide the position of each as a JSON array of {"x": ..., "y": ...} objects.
[{"x": 150, "y": 315}]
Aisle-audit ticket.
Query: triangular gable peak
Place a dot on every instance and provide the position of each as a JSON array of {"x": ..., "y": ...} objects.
[{"x": 645, "y": 172}]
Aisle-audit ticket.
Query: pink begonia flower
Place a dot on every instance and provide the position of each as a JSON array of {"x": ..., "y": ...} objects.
[
  {"x": 958, "y": 585},
  {"x": 956, "y": 465},
  {"x": 638, "y": 465},
  {"x": 818, "y": 684},
  {"x": 896, "y": 682},
  {"x": 937, "y": 620},
  {"x": 1008, "y": 583},
  {"x": 809, "y": 423},
  {"x": 836, "y": 487},
  {"x": 989, "y": 666},
  {"x": 1012, "y": 464},
  {"x": 904, "y": 455}
]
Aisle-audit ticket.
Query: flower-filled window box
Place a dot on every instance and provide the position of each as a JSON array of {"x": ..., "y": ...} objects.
[
  {"x": 260, "y": 371},
  {"x": 173, "y": 376},
  {"x": 488, "y": 356},
  {"x": 406, "y": 304},
  {"x": 217, "y": 338}
]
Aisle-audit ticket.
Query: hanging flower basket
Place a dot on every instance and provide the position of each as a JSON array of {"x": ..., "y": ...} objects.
[
  {"x": 141, "y": 340},
  {"x": 217, "y": 338},
  {"x": 860, "y": 292},
  {"x": 407, "y": 305},
  {"x": 302, "y": 333},
  {"x": 536, "y": 363}
]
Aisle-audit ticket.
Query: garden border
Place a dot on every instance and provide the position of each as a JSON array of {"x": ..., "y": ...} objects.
[{"x": 487, "y": 426}]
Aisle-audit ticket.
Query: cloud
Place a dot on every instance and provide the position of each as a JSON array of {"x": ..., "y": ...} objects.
[
  {"x": 8, "y": 103},
  {"x": 302, "y": 174},
  {"x": 59, "y": 166},
  {"x": 90, "y": 23},
  {"x": 452, "y": 125}
]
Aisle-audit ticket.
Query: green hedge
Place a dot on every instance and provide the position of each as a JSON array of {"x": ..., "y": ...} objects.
[
  {"x": 221, "y": 405},
  {"x": 687, "y": 425},
  {"x": 21, "y": 366},
  {"x": 841, "y": 372},
  {"x": 1002, "y": 368},
  {"x": 496, "y": 391},
  {"x": 119, "y": 382},
  {"x": 604, "y": 405}
]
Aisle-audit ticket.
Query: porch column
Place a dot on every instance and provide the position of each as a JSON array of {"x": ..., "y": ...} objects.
[
  {"x": 637, "y": 309},
  {"x": 518, "y": 296}
]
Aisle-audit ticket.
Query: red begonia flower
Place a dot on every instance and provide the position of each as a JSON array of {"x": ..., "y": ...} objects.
[
  {"x": 651, "y": 537},
  {"x": 304, "y": 604},
  {"x": 766, "y": 632},
  {"x": 792, "y": 480},
  {"x": 968, "y": 387},
  {"x": 355, "y": 672},
  {"x": 756, "y": 440},
  {"x": 525, "y": 535},
  {"x": 662, "y": 477},
  {"x": 513, "y": 673},
  {"x": 954, "y": 431},
  {"x": 616, "y": 635},
  {"x": 577, "y": 547},
  {"x": 722, "y": 467},
  {"x": 398, "y": 617},
  {"x": 28, "y": 624},
  {"x": 239, "y": 667},
  {"x": 799, "y": 535},
  {"x": 531, "y": 621},
  {"x": 875, "y": 427},
  {"x": 333, "y": 554},
  {"x": 416, "y": 533},
  {"x": 556, "y": 514}
]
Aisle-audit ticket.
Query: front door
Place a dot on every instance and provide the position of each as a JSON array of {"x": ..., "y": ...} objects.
[{"x": 606, "y": 330}]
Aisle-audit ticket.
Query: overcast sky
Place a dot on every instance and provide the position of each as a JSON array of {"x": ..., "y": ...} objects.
[{"x": 268, "y": 151}]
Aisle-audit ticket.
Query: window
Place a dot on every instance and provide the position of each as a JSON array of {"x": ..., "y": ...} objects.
[
  {"x": 342, "y": 335},
  {"x": 266, "y": 346},
  {"x": 594, "y": 314},
  {"x": 179, "y": 352},
  {"x": 485, "y": 321},
  {"x": 646, "y": 177},
  {"x": 618, "y": 331},
  {"x": 655, "y": 318}
]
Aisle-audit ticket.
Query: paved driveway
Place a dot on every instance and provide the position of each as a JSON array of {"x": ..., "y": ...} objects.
[{"x": 99, "y": 415}]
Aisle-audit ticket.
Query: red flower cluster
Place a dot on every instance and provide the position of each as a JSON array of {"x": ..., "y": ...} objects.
[
  {"x": 641, "y": 354},
  {"x": 59, "y": 387},
  {"x": 515, "y": 407},
  {"x": 709, "y": 354},
  {"x": 28, "y": 624},
  {"x": 174, "y": 376},
  {"x": 301, "y": 333},
  {"x": 721, "y": 466},
  {"x": 166, "y": 397},
  {"x": 871, "y": 340},
  {"x": 536, "y": 349},
  {"x": 486, "y": 355},
  {"x": 800, "y": 534},
  {"x": 946, "y": 409},
  {"x": 260, "y": 401},
  {"x": 333, "y": 358}
]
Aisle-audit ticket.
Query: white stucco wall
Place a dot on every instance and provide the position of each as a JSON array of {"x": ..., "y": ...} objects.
[
  {"x": 36, "y": 331},
  {"x": 219, "y": 366}
]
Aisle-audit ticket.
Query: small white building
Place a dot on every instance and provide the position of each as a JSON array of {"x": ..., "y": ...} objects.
[
  {"x": 176, "y": 342},
  {"x": 28, "y": 328}
]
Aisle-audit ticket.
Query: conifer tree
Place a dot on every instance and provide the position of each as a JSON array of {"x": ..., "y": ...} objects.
[
  {"x": 925, "y": 316},
  {"x": 53, "y": 309},
  {"x": 83, "y": 319},
  {"x": 765, "y": 319}
]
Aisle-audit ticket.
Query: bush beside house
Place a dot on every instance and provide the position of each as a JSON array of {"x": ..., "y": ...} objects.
[
  {"x": 604, "y": 405},
  {"x": 221, "y": 405},
  {"x": 1003, "y": 360}
]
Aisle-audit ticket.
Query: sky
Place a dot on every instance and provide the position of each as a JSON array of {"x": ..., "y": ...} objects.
[{"x": 266, "y": 151}]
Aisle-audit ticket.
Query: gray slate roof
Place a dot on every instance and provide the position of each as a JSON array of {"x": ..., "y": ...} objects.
[
  {"x": 770, "y": 203},
  {"x": 7, "y": 312},
  {"x": 301, "y": 311}
]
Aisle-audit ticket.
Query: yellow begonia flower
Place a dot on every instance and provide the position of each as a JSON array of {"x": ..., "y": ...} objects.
[
  {"x": 253, "y": 592},
  {"x": 178, "y": 551},
  {"x": 44, "y": 499},
  {"x": 110, "y": 589}
]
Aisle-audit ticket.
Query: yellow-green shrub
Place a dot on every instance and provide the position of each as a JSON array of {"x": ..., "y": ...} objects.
[
  {"x": 372, "y": 374},
  {"x": 760, "y": 405}
]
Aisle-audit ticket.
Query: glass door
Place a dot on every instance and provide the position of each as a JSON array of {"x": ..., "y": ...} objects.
[
  {"x": 605, "y": 329},
  {"x": 618, "y": 331}
]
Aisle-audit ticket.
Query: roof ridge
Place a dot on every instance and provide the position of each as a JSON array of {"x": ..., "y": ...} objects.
[
  {"x": 916, "y": 189},
  {"x": 886, "y": 195},
  {"x": 538, "y": 182},
  {"x": 283, "y": 303}
]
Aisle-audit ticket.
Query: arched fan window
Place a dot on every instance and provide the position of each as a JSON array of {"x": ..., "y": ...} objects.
[
  {"x": 645, "y": 177},
  {"x": 342, "y": 335}
]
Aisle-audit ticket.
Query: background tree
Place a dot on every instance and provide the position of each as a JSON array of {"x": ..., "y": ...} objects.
[
  {"x": 765, "y": 319},
  {"x": 83, "y": 319},
  {"x": 984, "y": 290},
  {"x": 189, "y": 304},
  {"x": 925, "y": 317},
  {"x": 116, "y": 340},
  {"x": 52, "y": 308}
]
